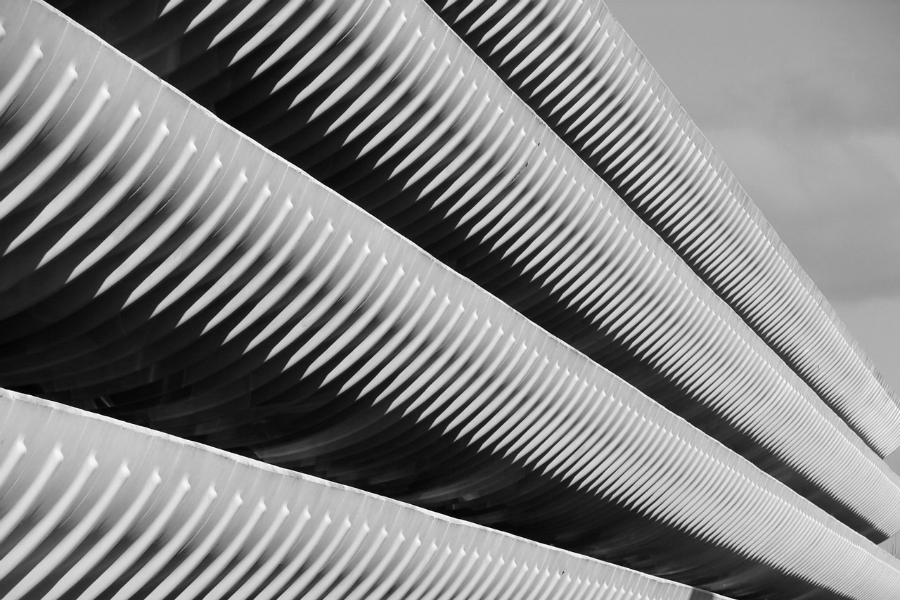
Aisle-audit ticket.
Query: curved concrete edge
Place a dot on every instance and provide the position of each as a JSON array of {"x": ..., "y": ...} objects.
[
  {"x": 620, "y": 282},
  {"x": 90, "y": 506},
  {"x": 238, "y": 379},
  {"x": 648, "y": 149}
]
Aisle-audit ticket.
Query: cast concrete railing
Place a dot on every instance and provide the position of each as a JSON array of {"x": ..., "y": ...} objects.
[
  {"x": 91, "y": 507},
  {"x": 383, "y": 103},
  {"x": 579, "y": 70},
  {"x": 167, "y": 270}
]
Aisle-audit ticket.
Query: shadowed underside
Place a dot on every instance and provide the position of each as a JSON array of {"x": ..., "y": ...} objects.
[
  {"x": 91, "y": 507},
  {"x": 382, "y": 103},
  {"x": 162, "y": 268}
]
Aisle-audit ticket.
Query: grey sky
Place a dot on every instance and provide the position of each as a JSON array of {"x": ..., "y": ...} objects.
[{"x": 802, "y": 100}]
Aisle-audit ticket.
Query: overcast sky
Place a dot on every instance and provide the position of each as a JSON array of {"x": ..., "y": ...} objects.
[{"x": 802, "y": 100}]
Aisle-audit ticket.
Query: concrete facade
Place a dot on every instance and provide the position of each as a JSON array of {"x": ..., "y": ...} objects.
[{"x": 574, "y": 328}]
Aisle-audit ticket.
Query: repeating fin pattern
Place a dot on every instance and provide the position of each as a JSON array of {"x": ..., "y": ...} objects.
[
  {"x": 579, "y": 70},
  {"x": 383, "y": 104},
  {"x": 165, "y": 269},
  {"x": 90, "y": 508}
]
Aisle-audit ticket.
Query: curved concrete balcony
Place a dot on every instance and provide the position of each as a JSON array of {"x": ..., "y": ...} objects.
[
  {"x": 165, "y": 269},
  {"x": 578, "y": 69},
  {"x": 381, "y": 102},
  {"x": 91, "y": 507}
]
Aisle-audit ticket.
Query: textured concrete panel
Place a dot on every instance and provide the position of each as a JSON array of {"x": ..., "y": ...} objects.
[
  {"x": 381, "y": 102},
  {"x": 91, "y": 507},
  {"x": 577, "y": 68},
  {"x": 165, "y": 269}
]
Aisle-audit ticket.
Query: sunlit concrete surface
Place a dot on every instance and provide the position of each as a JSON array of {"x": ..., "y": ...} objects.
[
  {"x": 164, "y": 268},
  {"x": 381, "y": 102},
  {"x": 91, "y": 507},
  {"x": 580, "y": 71}
]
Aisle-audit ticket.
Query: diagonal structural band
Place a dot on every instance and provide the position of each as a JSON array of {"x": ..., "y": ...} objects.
[
  {"x": 579, "y": 70},
  {"x": 203, "y": 286},
  {"x": 94, "y": 507},
  {"x": 466, "y": 169}
]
